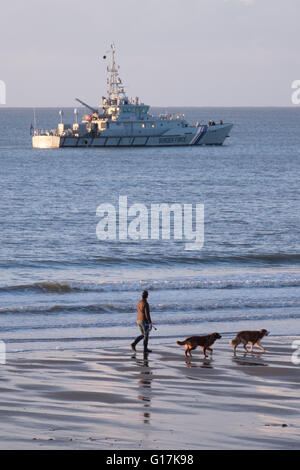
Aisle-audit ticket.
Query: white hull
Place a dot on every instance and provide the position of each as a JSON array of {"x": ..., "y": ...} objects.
[
  {"x": 46, "y": 141},
  {"x": 213, "y": 135}
]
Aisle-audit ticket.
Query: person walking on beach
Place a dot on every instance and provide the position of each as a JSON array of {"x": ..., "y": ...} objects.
[{"x": 144, "y": 322}]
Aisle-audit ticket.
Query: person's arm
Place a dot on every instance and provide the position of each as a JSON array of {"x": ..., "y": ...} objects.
[{"x": 147, "y": 314}]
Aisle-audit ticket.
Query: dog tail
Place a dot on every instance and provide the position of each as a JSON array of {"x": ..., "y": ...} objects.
[
  {"x": 234, "y": 341},
  {"x": 180, "y": 343}
]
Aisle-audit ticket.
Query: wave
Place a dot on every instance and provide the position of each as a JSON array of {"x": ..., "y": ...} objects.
[
  {"x": 46, "y": 309},
  {"x": 162, "y": 259},
  {"x": 125, "y": 323},
  {"x": 159, "y": 284},
  {"x": 55, "y": 287},
  {"x": 168, "y": 308},
  {"x": 247, "y": 258}
]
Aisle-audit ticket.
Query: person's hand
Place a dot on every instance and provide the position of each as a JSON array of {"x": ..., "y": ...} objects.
[{"x": 150, "y": 326}]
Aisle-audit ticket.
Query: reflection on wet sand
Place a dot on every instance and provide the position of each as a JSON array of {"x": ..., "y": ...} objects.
[
  {"x": 203, "y": 363},
  {"x": 144, "y": 384},
  {"x": 250, "y": 359}
]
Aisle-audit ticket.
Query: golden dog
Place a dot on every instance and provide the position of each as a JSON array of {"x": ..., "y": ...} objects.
[{"x": 252, "y": 337}]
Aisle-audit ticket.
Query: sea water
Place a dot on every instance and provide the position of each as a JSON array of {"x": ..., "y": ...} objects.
[{"x": 61, "y": 287}]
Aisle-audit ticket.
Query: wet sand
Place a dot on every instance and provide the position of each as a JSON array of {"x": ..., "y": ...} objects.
[{"x": 111, "y": 399}]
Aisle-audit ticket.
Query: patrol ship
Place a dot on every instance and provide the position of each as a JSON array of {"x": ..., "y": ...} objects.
[{"x": 124, "y": 122}]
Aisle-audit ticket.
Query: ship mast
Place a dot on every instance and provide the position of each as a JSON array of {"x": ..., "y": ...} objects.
[
  {"x": 116, "y": 93},
  {"x": 113, "y": 85}
]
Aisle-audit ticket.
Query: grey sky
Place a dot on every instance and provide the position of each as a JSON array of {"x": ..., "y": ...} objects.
[{"x": 171, "y": 52}]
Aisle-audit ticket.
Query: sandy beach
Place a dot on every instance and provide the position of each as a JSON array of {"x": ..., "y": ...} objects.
[{"x": 112, "y": 399}]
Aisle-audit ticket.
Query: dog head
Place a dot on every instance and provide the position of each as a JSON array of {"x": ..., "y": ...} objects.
[
  {"x": 216, "y": 336},
  {"x": 264, "y": 332}
]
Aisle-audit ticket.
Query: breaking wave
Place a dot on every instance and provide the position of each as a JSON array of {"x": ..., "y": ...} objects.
[
  {"x": 148, "y": 258},
  {"x": 170, "y": 307},
  {"x": 69, "y": 287}
]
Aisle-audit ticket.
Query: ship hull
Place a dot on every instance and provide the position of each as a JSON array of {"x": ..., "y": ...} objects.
[
  {"x": 46, "y": 141},
  {"x": 205, "y": 135}
]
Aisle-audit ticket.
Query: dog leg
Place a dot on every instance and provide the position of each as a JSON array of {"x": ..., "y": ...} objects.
[
  {"x": 235, "y": 342},
  {"x": 259, "y": 346},
  {"x": 188, "y": 350}
]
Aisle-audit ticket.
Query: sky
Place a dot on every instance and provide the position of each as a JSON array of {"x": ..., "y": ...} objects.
[{"x": 170, "y": 52}]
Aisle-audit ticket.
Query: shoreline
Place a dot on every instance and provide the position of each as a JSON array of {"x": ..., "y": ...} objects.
[{"x": 112, "y": 399}]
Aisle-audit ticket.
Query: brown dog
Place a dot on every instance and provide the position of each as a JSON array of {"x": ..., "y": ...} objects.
[
  {"x": 252, "y": 337},
  {"x": 204, "y": 341}
]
